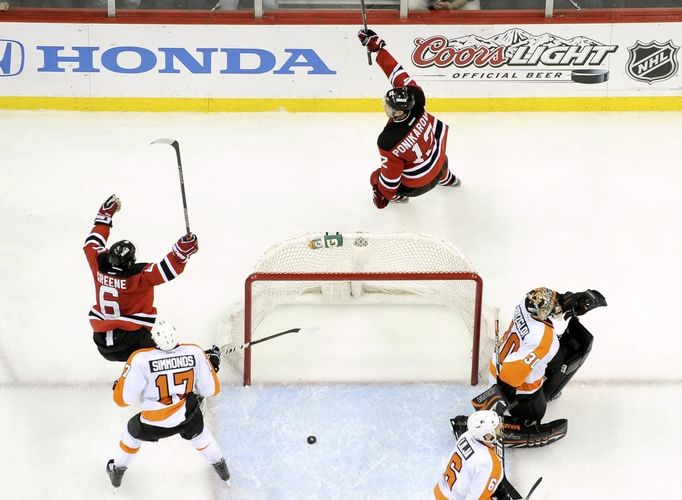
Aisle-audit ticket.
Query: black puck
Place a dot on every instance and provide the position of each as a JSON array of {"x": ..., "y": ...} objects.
[
  {"x": 312, "y": 439},
  {"x": 589, "y": 75}
]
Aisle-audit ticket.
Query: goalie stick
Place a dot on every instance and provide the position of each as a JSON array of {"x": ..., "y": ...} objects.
[
  {"x": 363, "y": 10},
  {"x": 176, "y": 146},
  {"x": 496, "y": 312},
  {"x": 228, "y": 350},
  {"x": 532, "y": 489}
]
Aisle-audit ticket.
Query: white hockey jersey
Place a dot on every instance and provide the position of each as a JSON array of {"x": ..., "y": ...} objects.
[
  {"x": 527, "y": 346},
  {"x": 473, "y": 471},
  {"x": 159, "y": 381}
]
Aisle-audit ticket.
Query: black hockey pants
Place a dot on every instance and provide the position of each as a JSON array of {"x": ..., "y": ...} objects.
[{"x": 120, "y": 344}]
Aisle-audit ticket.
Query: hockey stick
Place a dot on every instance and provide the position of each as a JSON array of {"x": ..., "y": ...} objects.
[
  {"x": 225, "y": 350},
  {"x": 496, "y": 312},
  {"x": 532, "y": 489},
  {"x": 364, "y": 24},
  {"x": 176, "y": 146}
]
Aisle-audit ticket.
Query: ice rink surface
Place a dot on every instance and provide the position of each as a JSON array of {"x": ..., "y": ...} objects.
[{"x": 570, "y": 201}]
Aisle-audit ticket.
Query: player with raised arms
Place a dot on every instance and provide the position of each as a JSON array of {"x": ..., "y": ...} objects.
[
  {"x": 124, "y": 313},
  {"x": 412, "y": 144}
]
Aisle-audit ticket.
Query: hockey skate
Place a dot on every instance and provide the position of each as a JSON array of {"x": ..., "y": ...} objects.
[
  {"x": 450, "y": 181},
  {"x": 399, "y": 198},
  {"x": 115, "y": 473},
  {"x": 221, "y": 469}
]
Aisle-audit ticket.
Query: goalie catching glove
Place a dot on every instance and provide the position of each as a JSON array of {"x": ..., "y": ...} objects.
[
  {"x": 106, "y": 212},
  {"x": 579, "y": 303},
  {"x": 371, "y": 40}
]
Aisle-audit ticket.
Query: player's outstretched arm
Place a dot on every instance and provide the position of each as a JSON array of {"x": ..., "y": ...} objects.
[
  {"x": 185, "y": 247},
  {"x": 107, "y": 210}
]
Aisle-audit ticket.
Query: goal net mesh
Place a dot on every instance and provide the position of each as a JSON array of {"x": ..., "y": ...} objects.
[{"x": 357, "y": 268}]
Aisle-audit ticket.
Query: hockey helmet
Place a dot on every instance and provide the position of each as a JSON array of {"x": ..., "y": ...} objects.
[
  {"x": 398, "y": 102},
  {"x": 122, "y": 255},
  {"x": 164, "y": 335},
  {"x": 484, "y": 426},
  {"x": 542, "y": 303}
]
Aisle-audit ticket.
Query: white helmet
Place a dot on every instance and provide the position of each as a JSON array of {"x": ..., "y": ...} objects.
[
  {"x": 484, "y": 425},
  {"x": 164, "y": 335}
]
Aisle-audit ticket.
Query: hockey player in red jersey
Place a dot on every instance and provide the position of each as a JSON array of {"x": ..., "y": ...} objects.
[
  {"x": 124, "y": 311},
  {"x": 167, "y": 382},
  {"x": 412, "y": 144}
]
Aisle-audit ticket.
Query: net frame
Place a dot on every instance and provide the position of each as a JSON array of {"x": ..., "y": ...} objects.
[
  {"x": 357, "y": 268},
  {"x": 343, "y": 277}
]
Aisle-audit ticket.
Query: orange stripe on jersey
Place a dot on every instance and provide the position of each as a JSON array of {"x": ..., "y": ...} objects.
[
  {"x": 532, "y": 387},
  {"x": 163, "y": 413},
  {"x": 118, "y": 391},
  {"x": 495, "y": 474},
  {"x": 515, "y": 372},
  {"x": 437, "y": 494},
  {"x": 128, "y": 449}
]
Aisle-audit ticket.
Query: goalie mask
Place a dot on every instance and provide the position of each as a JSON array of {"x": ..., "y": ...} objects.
[
  {"x": 122, "y": 255},
  {"x": 164, "y": 335},
  {"x": 398, "y": 103},
  {"x": 542, "y": 303},
  {"x": 484, "y": 426}
]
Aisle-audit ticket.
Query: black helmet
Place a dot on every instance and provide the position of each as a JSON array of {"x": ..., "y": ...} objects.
[
  {"x": 400, "y": 99},
  {"x": 122, "y": 255}
]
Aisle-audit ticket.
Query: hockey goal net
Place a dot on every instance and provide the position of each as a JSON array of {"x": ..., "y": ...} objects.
[{"x": 359, "y": 268}]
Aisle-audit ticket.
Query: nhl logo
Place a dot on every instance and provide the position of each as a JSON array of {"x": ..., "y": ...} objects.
[{"x": 652, "y": 62}]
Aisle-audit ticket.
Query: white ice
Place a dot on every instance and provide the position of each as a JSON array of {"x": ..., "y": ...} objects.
[{"x": 566, "y": 200}]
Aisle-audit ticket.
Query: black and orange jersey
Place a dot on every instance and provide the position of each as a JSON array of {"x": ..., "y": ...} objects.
[
  {"x": 124, "y": 300},
  {"x": 412, "y": 150}
]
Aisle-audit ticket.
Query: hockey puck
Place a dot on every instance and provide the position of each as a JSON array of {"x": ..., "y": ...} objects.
[
  {"x": 589, "y": 75},
  {"x": 312, "y": 439}
]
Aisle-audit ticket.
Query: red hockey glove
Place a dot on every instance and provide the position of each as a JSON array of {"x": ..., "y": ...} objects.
[
  {"x": 380, "y": 201},
  {"x": 371, "y": 40},
  {"x": 186, "y": 246},
  {"x": 107, "y": 210}
]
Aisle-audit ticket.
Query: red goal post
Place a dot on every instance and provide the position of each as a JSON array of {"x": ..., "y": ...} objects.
[{"x": 355, "y": 268}]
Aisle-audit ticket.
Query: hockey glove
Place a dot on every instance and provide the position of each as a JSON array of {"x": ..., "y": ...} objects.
[
  {"x": 577, "y": 304},
  {"x": 213, "y": 355},
  {"x": 186, "y": 246},
  {"x": 107, "y": 210},
  {"x": 371, "y": 40},
  {"x": 380, "y": 201}
]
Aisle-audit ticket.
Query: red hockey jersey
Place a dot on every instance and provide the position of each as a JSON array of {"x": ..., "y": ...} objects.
[
  {"x": 413, "y": 150},
  {"x": 124, "y": 301}
]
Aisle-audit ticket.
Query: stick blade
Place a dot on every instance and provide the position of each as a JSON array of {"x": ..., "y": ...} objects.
[
  {"x": 309, "y": 330},
  {"x": 170, "y": 142}
]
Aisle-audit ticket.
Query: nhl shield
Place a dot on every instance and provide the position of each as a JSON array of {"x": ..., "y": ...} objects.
[{"x": 652, "y": 62}]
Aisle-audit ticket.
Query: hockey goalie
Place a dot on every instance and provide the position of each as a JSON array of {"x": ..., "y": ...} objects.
[{"x": 533, "y": 363}]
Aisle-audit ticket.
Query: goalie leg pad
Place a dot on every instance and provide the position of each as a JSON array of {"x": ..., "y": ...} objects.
[
  {"x": 520, "y": 435},
  {"x": 574, "y": 347}
]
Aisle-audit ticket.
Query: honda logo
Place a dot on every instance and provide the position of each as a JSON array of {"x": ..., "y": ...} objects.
[{"x": 11, "y": 57}]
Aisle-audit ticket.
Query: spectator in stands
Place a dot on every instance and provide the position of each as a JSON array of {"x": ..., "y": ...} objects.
[{"x": 455, "y": 5}]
